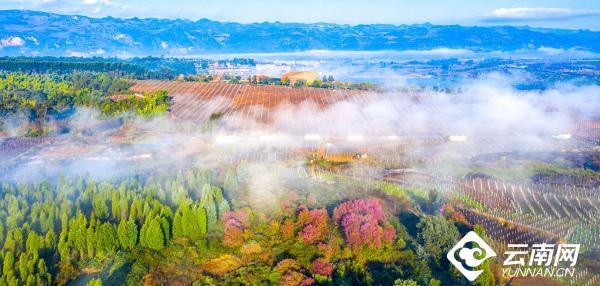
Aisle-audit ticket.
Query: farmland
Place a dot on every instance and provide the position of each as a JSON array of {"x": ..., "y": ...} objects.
[{"x": 193, "y": 100}]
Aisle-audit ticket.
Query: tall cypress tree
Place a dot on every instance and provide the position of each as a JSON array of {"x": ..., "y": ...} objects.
[
  {"x": 154, "y": 236},
  {"x": 487, "y": 276},
  {"x": 107, "y": 241},
  {"x": 208, "y": 203},
  {"x": 127, "y": 233},
  {"x": 177, "y": 224},
  {"x": 231, "y": 182}
]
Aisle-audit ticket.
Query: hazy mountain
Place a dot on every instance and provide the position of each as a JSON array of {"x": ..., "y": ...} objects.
[{"x": 39, "y": 33}]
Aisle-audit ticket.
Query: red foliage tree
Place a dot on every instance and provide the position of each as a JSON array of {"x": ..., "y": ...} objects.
[
  {"x": 307, "y": 281},
  {"x": 322, "y": 267},
  {"x": 234, "y": 224}
]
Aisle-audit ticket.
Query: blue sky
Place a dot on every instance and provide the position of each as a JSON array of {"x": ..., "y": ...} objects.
[{"x": 580, "y": 14}]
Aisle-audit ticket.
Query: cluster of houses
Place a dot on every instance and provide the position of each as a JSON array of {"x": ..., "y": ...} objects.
[{"x": 291, "y": 78}]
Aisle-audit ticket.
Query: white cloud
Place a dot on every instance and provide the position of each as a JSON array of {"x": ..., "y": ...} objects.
[
  {"x": 119, "y": 36},
  {"x": 12, "y": 42},
  {"x": 96, "y": 8},
  {"x": 568, "y": 53},
  {"x": 95, "y": 2},
  {"x": 537, "y": 13},
  {"x": 98, "y": 52}
]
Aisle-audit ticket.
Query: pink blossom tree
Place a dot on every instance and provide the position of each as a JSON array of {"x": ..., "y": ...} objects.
[
  {"x": 364, "y": 223},
  {"x": 312, "y": 224},
  {"x": 234, "y": 224}
]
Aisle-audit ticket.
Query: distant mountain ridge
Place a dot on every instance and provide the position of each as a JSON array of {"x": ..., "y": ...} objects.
[{"x": 24, "y": 32}]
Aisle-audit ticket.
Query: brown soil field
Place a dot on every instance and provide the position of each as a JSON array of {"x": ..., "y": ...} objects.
[{"x": 199, "y": 100}]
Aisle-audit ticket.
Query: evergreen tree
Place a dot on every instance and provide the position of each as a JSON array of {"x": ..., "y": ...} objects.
[
  {"x": 154, "y": 237},
  {"x": 78, "y": 233},
  {"x": 437, "y": 236},
  {"x": 114, "y": 205},
  {"x": 143, "y": 232},
  {"x": 408, "y": 282},
  {"x": 90, "y": 239},
  {"x": 8, "y": 264},
  {"x": 127, "y": 233},
  {"x": 42, "y": 272},
  {"x": 202, "y": 221},
  {"x": 165, "y": 227},
  {"x": 486, "y": 278},
  {"x": 64, "y": 246},
  {"x": 123, "y": 208},
  {"x": 208, "y": 203},
  {"x": 189, "y": 224},
  {"x": 106, "y": 238},
  {"x": 222, "y": 204},
  {"x": 231, "y": 182},
  {"x": 94, "y": 282},
  {"x": 177, "y": 224}
]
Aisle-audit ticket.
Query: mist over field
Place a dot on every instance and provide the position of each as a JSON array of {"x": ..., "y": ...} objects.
[{"x": 487, "y": 116}]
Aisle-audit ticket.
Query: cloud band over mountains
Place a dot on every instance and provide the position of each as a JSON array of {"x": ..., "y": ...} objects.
[{"x": 537, "y": 13}]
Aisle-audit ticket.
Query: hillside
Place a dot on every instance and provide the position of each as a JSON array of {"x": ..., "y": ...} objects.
[{"x": 37, "y": 33}]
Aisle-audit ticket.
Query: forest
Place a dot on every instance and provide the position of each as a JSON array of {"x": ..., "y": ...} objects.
[
  {"x": 137, "y": 68},
  {"x": 194, "y": 226},
  {"x": 40, "y": 97}
]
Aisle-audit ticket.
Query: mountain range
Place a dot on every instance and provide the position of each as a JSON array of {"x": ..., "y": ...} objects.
[{"x": 31, "y": 33}]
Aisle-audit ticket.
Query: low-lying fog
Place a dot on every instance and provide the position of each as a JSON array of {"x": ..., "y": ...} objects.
[{"x": 487, "y": 116}]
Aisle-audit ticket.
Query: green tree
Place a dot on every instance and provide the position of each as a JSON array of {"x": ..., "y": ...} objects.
[
  {"x": 208, "y": 203},
  {"x": 230, "y": 183},
  {"x": 8, "y": 264},
  {"x": 114, "y": 205},
  {"x": 407, "y": 282},
  {"x": 43, "y": 277},
  {"x": 177, "y": 223},
  {"x": 437, "y": 235},
  {"x": 94, "y": 282},
  {"x": 78, "y": 233},
  {"x": 316, "y": 83},
  {"x": 153, "y": 235},
  {"x": 486, "y": 278},
  {"x": 127, "y": 232},
  {"x": 300, "y": 83},
  {"x": 202, "y": 221},
  {"x": 190, "y": 222},
  {"x": 64, "y": 246},
  {"x": 106, "y": 238},
  {"x": 90, "y": 238},
  {"x": 222, "y": 203}
]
